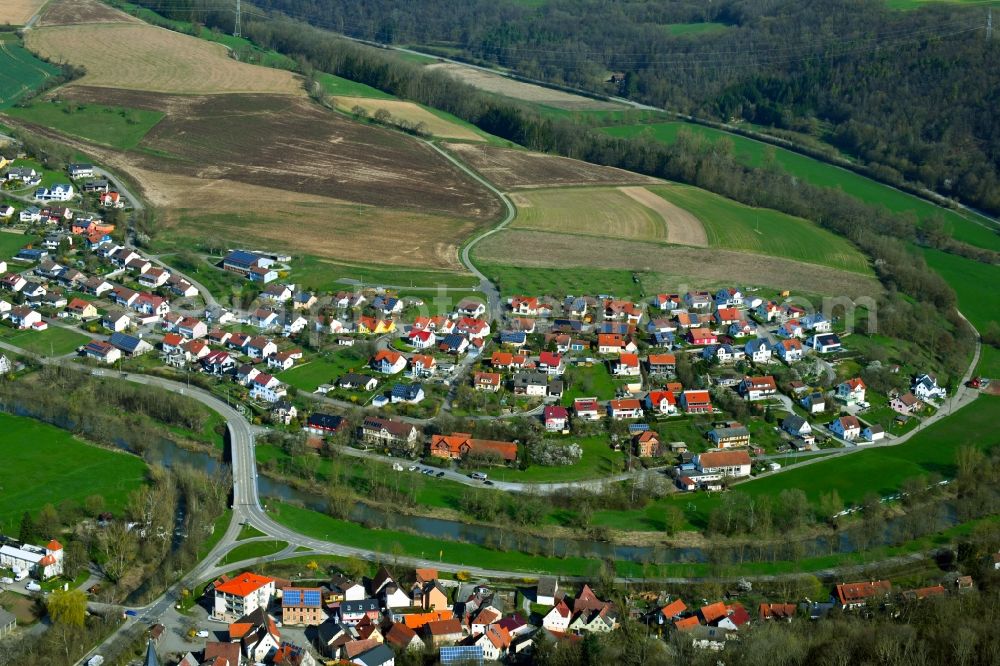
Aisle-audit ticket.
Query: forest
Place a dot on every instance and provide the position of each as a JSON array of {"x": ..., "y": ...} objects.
[{"x": 909, "y": 93}]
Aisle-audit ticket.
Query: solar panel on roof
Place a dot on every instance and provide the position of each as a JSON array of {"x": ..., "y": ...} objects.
[
  {"x": 312, "y": 598},
  {"x": 292, "y": 597},
  {"x": 638, "y": 427},
  {"x": 462, "y": 654}
]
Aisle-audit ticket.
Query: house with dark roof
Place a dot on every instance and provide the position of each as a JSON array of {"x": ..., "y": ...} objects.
[
  {"x": 324, "y": 424},
  {"x": 130, "y": 345}
]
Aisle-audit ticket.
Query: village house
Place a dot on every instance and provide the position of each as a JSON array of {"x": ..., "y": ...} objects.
[
  {"x": 487, "y": 381},
  {"x": 24, "y": 317},
  {"x": 460, "y": 445},
  {"x": 758, "y": 388},
  {"x": 696, "y": 402},
  {"x": 702, "y": 336},
  {"x": 81, "y": 309},
  {"x": 531, "y": 383},
  {"x": 906, "y": 404},
  {"x": 789, "y": 351},
  {"x": 729, "y": 435},
  {"x": 218, "y": 363},
  {"x": 324, "y": 424},
  {"x": 625, "y": 408},
  {"x": 302, "y": 606},
  {"x": 422, "y": 366},
  {"x": 925, "y": 387},
  {"x": 43, "y": 562},
  {"x": 873, "y": 433},
  {"x": 242, "y": 595},
  {"x": 406, "y": 393},
  {"x": 852, "y": 391},
  {"x": 587, "y": 409},
  {"x": 421, "y": 339},
  {"x": 847, "y": 428},
  {"x": 556, "y": 418},
  {"x": 130, "y": 345},
  {"x": 661, "y": 402},
  {"x": 265, "y": 387},
  {"x": 853, "y": 596},
  {"x": 647, "y": 444},
  {"x": 627, "y": 365},
  {"x": 724, "y": 463},
  {"x": 259, "y": 347},
  {"x": 661, "y": 364},
  {"x": 390, "y": 434}
]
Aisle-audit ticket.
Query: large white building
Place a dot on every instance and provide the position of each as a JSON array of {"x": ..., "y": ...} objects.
[
  {"x": 40, "y": 561},
  {"x": 241, "y": 596}
]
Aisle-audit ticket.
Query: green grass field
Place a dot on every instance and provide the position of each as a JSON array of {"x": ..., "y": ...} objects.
[
  {"x": 108, "y": 125},
  {"x": 322, "y": 370},
  {"x": 599, "y": 460},
  {"x": 735, "y": 226},
  {"x": 694, "y": 29},
  {"x": 907, "y": 5},
  {"x": 756, "y": 153},
  {"x": 11, "y": 243},
  {"x": 338, "y": 86},
  {"x": 513, "y": 280},
  {"x": 583, "y": 382},
  {"x": 605, "y": 212},
  {"x": 253, "y": 550},
  {"x": 43, "y": 464},
  {"x": 53, "y": 341},
  {"x": 977, "y": 301},
  {"x": 20, "y": 72},
  {"x": 878, "y": 470}
]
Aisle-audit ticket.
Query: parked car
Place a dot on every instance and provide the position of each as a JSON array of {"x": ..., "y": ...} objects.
[
  {"x": 33, "y": 586},
  {"x": 203, "y": 634},
  {"x": 439, "y": 474},
  {"x": 7, "y": 580},
  {"x": 478, "y": 476}
]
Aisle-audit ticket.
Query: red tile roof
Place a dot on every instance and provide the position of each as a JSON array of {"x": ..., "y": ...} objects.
[{"x": 244, "y": 584}]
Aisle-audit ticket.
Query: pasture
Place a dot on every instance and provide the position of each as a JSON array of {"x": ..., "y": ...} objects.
[
  {"x": 53, "y": 341},
  {"x": 558, "y": 282},
  {"x": 338, "y": 86},
  {"x": 144, "y": 57},
  {"x": 964, "y": 227},
  {"x": 410, "y": 113},
  {"x": 43, "y": 464},
  {"x": 694, "y": 29},
  {"x": 17, "y": 12},
  {"x": 510, "y": 169},
  {"x": 20, "y": 72},
  {"x": 605, "y": 212},
  {"x": 11, "y": 243},
  {"x": 528, "y": 92},
  {"x": 735, "y": 226},
  {"x": 676, "y": 264},
  {"x": 76, "y": 12},
  {"x": 115, "y": 127}
]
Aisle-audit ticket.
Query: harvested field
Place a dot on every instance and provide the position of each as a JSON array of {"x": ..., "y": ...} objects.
[
  {"x": 529, "y": 92},
  {"x": 683, "y": 228},
  {"x": 320, "y": 226},
  {"x": 604, "y": 212},
  {"x": 17, "y": 12},
  {"x": 411, "y": 113},
  {"x": 300, "y": 148},
  {"x": 683, "y": 264},
  {"x": 76, "y": 12},
  {"x": 520, "y": 169},
  {"x": 144, "y": 57}
]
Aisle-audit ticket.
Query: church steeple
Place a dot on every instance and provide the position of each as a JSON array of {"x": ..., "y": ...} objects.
[{"x": 151, "y": 658}]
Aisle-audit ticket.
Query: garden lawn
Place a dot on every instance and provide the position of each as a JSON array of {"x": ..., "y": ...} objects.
[
  {"x": 11, "y": 243},
  {"x": 43, "y": 464},
  {"x": 253, "y": 550},
  {"x": 584, "y": 382},
  {"x": 53, "y": 341},
  {"x": 112, "y": 126},
  {"x": 734, "y": 226},
  {"x": 322, "y": 370},
  {"x": 599, "y": 460},
  {"x": 755, "y": 153}
]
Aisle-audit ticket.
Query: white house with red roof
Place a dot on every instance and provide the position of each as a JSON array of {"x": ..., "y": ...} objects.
[
  {"x": 758, "y": 388},
  {"x": 662, "y": 402},
  {"x": 43, "y": 562},
  {"x": 267, "y": 388},
  {"x": 556, "y": 418},
  {"x": 472, "y": 328},
  {"x": 625, "y": 408},
  {"x": 696, "y": 402},
  {"x": 242, "y": 595},
  {"x": 192, "y": 328},
  {"x": 421, "y": 339},
  {"x": 852, "y": 391},
  {"x": 551, "y": 363},
  {"x": 558, "y": 618},
  {"x": 627, "y": 365},
  {"x": 587, "y": 409}
]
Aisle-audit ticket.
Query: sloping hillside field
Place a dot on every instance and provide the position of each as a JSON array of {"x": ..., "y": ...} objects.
[
  {"x": 144, "y": 57},
  {"x": 311, "y": 181}
]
